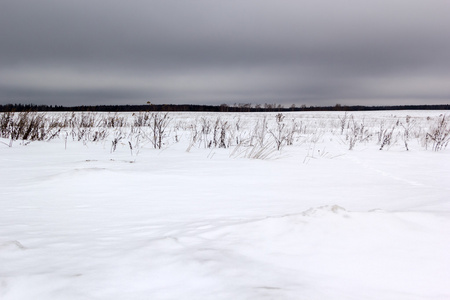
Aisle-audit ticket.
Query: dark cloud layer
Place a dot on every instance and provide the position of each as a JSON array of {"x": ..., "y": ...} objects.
[{"x": 201, "y": 51}]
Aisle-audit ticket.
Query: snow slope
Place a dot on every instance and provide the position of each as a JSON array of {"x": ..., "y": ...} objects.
[{"x": 317, "y": 221}]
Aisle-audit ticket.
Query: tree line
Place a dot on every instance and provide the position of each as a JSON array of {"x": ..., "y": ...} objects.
[{"x": 246, "y": 107}]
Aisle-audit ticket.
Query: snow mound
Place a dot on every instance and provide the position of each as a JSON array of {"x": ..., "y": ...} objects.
[
  {"x": 363, "y": 251},
  {"x": 323, "y": 210}
]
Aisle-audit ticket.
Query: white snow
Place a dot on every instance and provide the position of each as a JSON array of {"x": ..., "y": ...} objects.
[{"x": 316, "y": 221}]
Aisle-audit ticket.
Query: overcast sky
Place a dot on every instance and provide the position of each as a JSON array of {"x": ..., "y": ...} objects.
[{"x": 319, "y": 52}]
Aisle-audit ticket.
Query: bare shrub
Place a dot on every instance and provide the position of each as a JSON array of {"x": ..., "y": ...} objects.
[
  {"x": 141, "y": 119},
  {"x": 343, "y": 122},
  {"x": 223, "y": 143},
  {"x": 439, "y": 134},
  {"x": 98, "y": 135},
  {"x": 30, "y": 126},
  {"x": 114, "y": 143},
  {"x": 158, "y": 126},
  {"x": 407, "y": 129},
  {"x": 112, "y": 121},
  {"x": 213, "y": 134},
  {"x": 278, "y": 134},
  {"x": 259, "y": 132},
  {"x": 257, "y": 151},
  {"x": 206, "y": 131},
  {"x": 290, "y": 133},
  {"x": 6, "y": 121},
  {"x": 387, "y": 137},
  {"x": 87, "y": 120},
  {"x": 357, "y": 133}
]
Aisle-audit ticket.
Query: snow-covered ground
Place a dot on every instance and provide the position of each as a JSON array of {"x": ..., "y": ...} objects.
[{"x": 312, "y": 221}]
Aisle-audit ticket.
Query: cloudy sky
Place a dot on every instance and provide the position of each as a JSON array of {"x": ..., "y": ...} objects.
[{"x": 321, "y": 52}]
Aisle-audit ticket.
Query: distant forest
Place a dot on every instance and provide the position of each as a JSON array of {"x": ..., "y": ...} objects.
[{"x": 247, "y": 107}]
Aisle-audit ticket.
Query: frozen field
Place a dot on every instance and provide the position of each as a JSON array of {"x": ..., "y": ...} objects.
[{"x": 217, "y": 212}]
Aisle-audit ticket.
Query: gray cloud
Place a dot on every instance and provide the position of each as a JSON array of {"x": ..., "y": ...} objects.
[{"x": 304, "y": 52}]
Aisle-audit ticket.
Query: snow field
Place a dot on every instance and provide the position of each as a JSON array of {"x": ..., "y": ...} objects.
[{"x": 312, "y": 221}]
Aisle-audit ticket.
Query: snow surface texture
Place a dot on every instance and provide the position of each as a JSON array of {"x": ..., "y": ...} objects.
[{"x": 315, "y": 221}]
